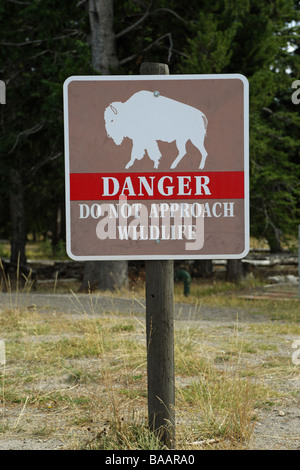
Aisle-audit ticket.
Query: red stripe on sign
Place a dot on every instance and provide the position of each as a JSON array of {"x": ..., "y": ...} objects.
[{"x": 157, "y": 186}]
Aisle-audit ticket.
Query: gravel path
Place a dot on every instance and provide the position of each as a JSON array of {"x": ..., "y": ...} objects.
[{"x": 99, "y": 304}]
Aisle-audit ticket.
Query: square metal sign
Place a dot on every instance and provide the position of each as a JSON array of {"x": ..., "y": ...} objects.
[{"x": 157, "y": 167}]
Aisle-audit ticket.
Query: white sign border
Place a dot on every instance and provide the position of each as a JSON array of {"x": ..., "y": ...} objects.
[{"x": 157, "y": 77}]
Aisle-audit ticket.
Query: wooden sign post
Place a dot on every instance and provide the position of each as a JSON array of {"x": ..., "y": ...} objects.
[
  {"x": 160, "y": 331},
  {"x": 160, "y": 348}
]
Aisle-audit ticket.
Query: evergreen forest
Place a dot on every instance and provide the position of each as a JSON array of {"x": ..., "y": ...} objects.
[{"x": 43, "y": 42}]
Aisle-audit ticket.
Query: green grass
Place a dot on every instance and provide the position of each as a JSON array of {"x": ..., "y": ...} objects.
[{"x": 36, "y": 250}]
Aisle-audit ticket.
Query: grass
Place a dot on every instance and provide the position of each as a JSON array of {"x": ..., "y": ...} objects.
[
  {"x": 36, "y": 250},
  {"x": 82, "y": 378}
]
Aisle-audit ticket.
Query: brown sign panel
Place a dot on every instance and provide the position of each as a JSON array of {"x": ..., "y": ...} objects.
[{"x": 157, "y": 167}]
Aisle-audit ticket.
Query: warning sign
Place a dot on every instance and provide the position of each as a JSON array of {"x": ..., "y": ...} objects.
[{"x": 157, "y": 167}]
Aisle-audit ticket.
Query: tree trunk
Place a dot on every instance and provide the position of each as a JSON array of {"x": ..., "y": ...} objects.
[
  {"x": 234, "y": 271},
  {"x": 273, "y": 238},
  {"x": 17, "y": 217},
  {"x": 101, "y": 16},
  {"x": 103, "y": 275},
  {"x": 204, "y": 268}
]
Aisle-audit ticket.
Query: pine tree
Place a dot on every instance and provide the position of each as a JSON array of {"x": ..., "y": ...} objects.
[
  {"x": 41, "y": 44},
  {"x": 252, "y": 38}
]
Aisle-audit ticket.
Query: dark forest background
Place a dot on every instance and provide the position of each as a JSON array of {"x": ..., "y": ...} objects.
[{"x": 44, "y": 42}]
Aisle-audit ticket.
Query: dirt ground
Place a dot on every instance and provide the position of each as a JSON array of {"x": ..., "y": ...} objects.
[{"x": 277, "y": 428}]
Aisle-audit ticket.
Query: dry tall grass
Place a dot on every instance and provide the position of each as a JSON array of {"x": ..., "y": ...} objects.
[{"x": 81, "y": 378}]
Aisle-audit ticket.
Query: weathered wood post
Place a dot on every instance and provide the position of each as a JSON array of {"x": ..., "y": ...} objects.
[
  {"x": 160, "y": 331},
  {"x": 160, "y": 348}
]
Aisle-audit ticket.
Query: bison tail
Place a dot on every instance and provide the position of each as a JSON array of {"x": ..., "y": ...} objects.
[{"x": 205, "y": 121}]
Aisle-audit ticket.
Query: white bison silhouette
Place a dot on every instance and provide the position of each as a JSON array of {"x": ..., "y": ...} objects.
[{"x": 147, "y": 117}]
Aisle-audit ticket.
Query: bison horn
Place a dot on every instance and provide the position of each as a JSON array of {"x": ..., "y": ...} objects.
[{"x": 113, "y": 109}]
